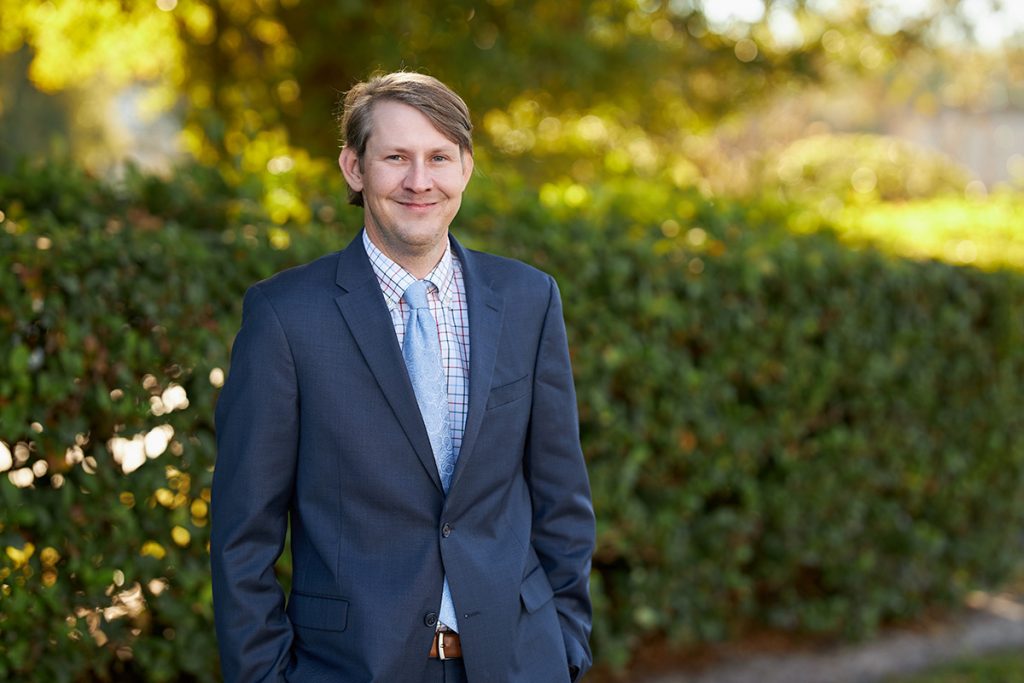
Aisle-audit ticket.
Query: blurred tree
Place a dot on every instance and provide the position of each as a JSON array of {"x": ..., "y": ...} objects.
[
  {"x": 864, "y": 168},
  {"x": 584, "y": 86}
]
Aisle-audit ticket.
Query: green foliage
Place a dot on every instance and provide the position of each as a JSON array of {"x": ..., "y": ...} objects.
[
  {"x": 112, "y": 316},
  {"x": 252, "y": 80},
  {"x": 780, "y": 430},
  {"x": 864, "y": 168},
  {"x": 983, "y": 232}
]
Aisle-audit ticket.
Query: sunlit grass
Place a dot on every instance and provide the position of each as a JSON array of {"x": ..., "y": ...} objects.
[
  {"x": 985, "y": 232},
  {"x": 998, "y": 668}
]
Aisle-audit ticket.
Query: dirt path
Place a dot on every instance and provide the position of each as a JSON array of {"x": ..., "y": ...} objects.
[{"x": 992, "y": 623}]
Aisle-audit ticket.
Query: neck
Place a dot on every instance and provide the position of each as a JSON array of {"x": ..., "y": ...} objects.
[
  {"x": 419, "y": 268},
  {"x": 418, "y": 262}
]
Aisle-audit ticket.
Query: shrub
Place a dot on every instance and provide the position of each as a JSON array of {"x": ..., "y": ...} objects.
[
  {"x": 780, "y": 430},
  {"x": 116, "y": 324}
]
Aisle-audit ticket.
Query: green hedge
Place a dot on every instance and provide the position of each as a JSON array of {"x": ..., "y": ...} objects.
[
  {"x": 107, "y": 304},
  {"x": 780, "y": 430}
]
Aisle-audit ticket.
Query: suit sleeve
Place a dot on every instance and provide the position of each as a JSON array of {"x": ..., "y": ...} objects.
[
  {"x": 257, "y": 436},
  {"x": 563, "y": 515}
]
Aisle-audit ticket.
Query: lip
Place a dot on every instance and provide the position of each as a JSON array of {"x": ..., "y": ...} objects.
[{"x": 418, "y": 206}]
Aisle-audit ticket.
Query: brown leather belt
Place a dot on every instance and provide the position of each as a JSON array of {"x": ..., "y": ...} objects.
[{"x": 446, "y": 646}]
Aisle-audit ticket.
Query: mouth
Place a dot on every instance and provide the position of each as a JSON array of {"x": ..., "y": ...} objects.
[{"x": 417, "y": 206}]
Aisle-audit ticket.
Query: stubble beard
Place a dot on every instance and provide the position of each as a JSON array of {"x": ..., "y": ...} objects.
[{"x": 410, "y": 242}]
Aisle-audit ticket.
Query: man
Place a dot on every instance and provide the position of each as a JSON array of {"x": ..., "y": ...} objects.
[{"x": 407, "y": 404}]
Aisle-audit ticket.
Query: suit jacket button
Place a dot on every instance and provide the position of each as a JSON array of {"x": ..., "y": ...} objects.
[
  {"x": 446, "y": 530},
  {"x": 430, "y": 618}
]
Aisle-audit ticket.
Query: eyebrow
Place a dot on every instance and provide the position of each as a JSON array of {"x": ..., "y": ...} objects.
[{"x": 437, "y": 150}]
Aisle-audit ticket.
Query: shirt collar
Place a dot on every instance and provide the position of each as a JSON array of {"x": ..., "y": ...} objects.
[{"x": 394, "y": 279}]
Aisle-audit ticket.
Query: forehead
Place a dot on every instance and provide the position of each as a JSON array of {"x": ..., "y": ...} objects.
[{"x": 398, "y": 124}]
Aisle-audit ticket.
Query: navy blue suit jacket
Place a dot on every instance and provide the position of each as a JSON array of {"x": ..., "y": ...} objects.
[{"x": 318, "y": 424}]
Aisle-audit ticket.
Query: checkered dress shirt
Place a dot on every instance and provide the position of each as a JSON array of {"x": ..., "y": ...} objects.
[{"x": 446, "y": 297}]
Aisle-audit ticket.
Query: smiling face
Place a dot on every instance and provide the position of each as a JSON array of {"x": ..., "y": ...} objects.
[{"x": 412, "y": 178}]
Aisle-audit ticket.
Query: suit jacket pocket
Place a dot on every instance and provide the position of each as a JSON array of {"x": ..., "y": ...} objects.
[
  {"x": 507, "y": 393},
  {"x": 318, "y": 611},
  {"x": 536, "y": 590}
]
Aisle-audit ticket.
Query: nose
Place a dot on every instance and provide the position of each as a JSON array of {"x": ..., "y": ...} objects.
[{"x": 418, "y": 178}]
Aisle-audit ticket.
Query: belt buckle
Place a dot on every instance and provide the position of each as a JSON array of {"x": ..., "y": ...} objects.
[{"x": 440, "y": 645}]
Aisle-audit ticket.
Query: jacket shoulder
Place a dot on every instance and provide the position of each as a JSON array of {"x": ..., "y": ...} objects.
[
  {"x": 504, "y": 271},
  {"x": 298, "y": 279}
]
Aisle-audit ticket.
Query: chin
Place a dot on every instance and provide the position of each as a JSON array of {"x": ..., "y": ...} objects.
[{"x": 423, "y": 237}]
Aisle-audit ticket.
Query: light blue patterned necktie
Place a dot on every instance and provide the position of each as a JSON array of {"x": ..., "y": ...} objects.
[{"x": 422, "y": 351}]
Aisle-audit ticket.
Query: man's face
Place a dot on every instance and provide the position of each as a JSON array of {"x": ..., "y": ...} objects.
[{"x": 412, "y": 178}]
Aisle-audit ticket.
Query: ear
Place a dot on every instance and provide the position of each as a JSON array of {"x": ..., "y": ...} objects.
[
  {"x": 348, "y": 160},
  {"x": 467, "y": 167}
]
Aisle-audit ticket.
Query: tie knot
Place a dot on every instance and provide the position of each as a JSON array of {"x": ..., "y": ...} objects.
[{"x": 416, "y": 294}]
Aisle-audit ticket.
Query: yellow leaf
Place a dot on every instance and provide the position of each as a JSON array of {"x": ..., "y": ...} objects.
[
  {"x": 181, "y": 536},
  {"x": 199, "y": 508},
  {"x": 164, "y": 497},
  {"x": 49, "y": 556},
  {"x": 153, "y": 549},
  {"x": 20, "y": 556}
]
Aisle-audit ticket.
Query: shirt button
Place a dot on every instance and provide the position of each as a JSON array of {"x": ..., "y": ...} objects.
[
  {"x": 430, "y": 618},
  {"x": 446, "y": 530}
]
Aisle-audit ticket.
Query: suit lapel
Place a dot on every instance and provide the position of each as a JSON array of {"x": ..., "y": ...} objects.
[
  {"x": 366, "y": 314},
  {"x": 485, "y": 314}
]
